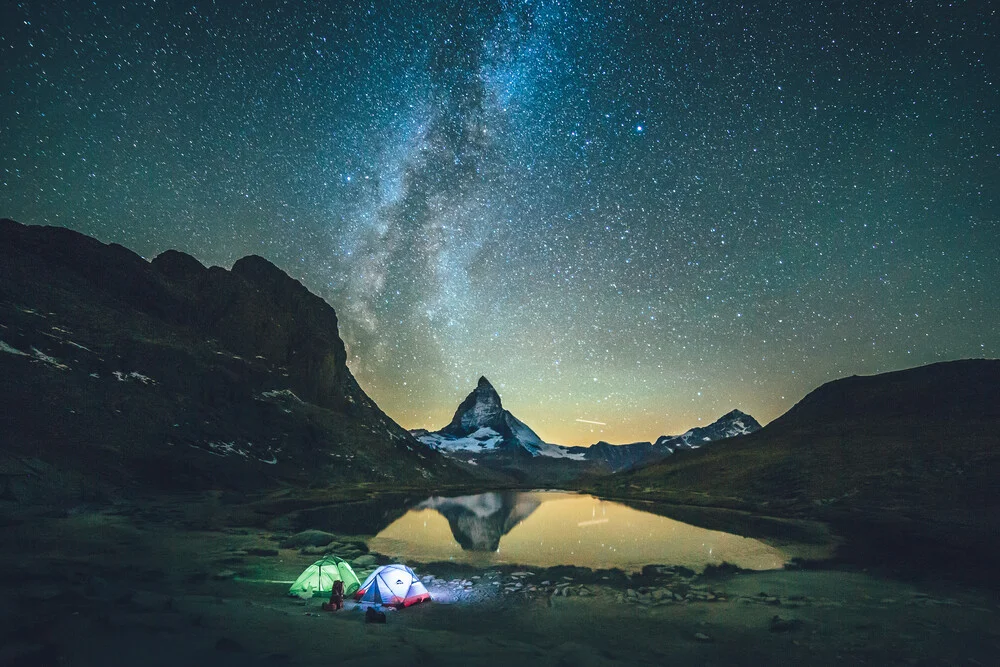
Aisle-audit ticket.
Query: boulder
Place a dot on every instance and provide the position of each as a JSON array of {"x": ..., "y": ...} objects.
[
  {"x": 364, "y": 561},
  {"x": 307, "y": 538}
]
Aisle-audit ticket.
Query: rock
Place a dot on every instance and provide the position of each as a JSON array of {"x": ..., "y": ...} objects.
[
  {"x": 366, "y": 560},
  {"x": 314, "y": 551},
  {"x": 702, "y": 637},
  {"x": 307, "y": 538},
  {"x": 779, "y": 624},
  {"x": 262, "y": 552}
]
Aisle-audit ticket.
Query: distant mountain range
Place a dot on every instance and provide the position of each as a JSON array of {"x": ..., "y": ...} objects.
[
  {"x": 484, "y": 433},
  {"x": 899, "y": 456},
  {"x": 115, "y": 371}
]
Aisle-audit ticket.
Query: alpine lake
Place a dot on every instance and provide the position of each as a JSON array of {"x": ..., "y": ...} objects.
[{"x": 545, "y": 529}]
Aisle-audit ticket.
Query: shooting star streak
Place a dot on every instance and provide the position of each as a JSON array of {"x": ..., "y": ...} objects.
[{"x": 587, "y": 421}]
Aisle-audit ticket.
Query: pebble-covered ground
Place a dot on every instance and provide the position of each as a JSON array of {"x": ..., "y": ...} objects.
[{"x": 107, "y": 588}]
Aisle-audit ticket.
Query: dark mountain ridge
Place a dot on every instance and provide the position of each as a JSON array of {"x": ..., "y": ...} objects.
[
  {"x": 168, "y": 373},
  {"x": 911, "y": 452},
  {"x": 618, "y": 458}
]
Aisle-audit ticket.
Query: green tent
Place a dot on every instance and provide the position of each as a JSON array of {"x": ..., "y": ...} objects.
[{"x": 319, "y": 578}]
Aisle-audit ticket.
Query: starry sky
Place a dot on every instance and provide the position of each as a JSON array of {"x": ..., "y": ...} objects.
[{"x": 642, "y": 214}]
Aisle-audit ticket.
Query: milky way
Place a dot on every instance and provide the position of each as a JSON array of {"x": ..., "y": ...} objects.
[{"x": 631, "y": 217}]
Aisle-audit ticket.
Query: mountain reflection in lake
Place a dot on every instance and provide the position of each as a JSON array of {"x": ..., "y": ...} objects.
[{"x": 548, "y": 528}]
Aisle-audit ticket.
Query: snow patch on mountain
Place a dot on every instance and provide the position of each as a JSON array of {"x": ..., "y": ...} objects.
[
  {"x": 524, "y": 435},
  {"x": 248, "y": 451},
  {"x": 483, "y": 439},
  {"x": 560, "y": 452},
  {"x": 51, "y": 361},
  {"x": 133, "y": 376},
  {"x": 4, "y": 347},
  {"x": 279, "y": 394}
]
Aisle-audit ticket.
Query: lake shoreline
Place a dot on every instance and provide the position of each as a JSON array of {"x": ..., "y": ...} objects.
[{"x": 167, "y": 581}]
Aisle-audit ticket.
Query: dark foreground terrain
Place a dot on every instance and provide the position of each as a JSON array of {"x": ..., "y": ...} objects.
[{"x": 202, "y": 580}]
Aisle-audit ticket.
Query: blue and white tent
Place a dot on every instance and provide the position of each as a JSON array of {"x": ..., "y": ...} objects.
[{"x": 393, "y": 585}]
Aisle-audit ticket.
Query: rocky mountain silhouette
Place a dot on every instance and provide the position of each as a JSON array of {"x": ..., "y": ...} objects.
[
  {"x": 482, "y": 425},
  {"x": 118, "y": 371},
  {"x": 617, "y": 458}
]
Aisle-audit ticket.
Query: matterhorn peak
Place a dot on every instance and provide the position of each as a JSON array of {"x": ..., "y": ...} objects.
[{"x": 480, "y": 409}]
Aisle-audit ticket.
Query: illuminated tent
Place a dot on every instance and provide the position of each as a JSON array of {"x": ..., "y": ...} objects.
[
  {"x": 319, "y": 578},
  {"x": 392, "y": 585}
]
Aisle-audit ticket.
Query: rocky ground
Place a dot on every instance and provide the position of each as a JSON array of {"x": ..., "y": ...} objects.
[{"x": 192, "y": 583}]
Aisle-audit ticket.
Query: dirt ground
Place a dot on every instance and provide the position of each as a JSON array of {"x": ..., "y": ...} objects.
[{"x": 183, "y": 585}]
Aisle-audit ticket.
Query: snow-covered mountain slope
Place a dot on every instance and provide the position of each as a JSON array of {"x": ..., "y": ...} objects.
[
  {"x": 481, "y": 440},
  {"x": 483, "y": 431},
  {"x": 481, "y": 425},
  {"x": 728, "y": 425}
]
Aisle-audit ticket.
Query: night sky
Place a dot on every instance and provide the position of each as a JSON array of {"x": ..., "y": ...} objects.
[{"x": 642, "y": 214}]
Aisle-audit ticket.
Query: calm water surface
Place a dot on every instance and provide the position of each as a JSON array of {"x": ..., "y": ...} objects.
[{"x": 549, "y": 528}]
